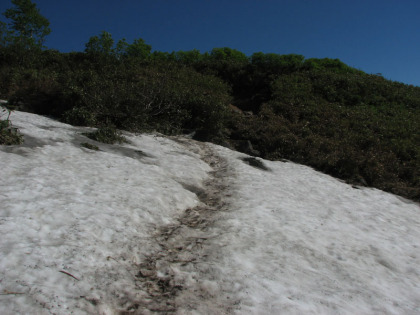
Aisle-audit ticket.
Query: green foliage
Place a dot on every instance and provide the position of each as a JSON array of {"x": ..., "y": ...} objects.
[
  {"x": 277, "y": 64},
  {"x": 8, "y": 134},
  {"x": 331, "y": 65},
  {"x": 4, "y": 34},
  {"x": 138, "y": 49},
  {"x": 228, "y": 54},
  {"x": 27, "y": 28},
  {"x": 319, "y": 112},
  {"x": 107, "y": 134},
  {"x": 130, "y": 94},
  {"x": 292, "y": 89},
  {"x": 164, "y": 97},
  {"x": 100, "y": 45},
  {"x": 160, "y": 56},
  {"x": 357, "y": 127},
  {"x": 190, "y": 57},
  {"x": 104, "y": 46},
  {"x": 90, "y": 146}
]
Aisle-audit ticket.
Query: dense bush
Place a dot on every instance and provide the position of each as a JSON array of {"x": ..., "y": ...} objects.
[
  {"x": 166, "y": 98},
  {"x": 106, "y": 134},
  {"x": 357, "y": 127},
  {"x": 319, "y": 112},
  {"x": 8, "y": 134},
  {"x": 131, "y": 94}
]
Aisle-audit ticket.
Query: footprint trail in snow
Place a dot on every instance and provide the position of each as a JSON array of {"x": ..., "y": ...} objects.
[{"x": 173, "y": 276}]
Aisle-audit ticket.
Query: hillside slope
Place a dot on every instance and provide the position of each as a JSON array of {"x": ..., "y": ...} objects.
[{"x": 168, "y": 224}]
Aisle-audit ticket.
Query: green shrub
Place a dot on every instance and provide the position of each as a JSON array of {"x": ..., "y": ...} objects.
[
  {"x": 144, "y": 97},
  {"x": 8, "y": 134},
  {"x": 90, "y": 146},
  {"x": 363, "y": 129},
  {"x": 319, "y": 112},
  {"x": 106, "y": 134}
]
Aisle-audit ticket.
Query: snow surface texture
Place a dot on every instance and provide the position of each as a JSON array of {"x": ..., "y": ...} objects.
[{"x": 169, "y": 221}]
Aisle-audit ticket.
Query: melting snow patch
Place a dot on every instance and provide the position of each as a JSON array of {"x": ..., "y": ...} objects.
[
  {"x": 75, "y": 223},
  {"x": 298, "y": 241},
  {"x": 78, "y": 225}
]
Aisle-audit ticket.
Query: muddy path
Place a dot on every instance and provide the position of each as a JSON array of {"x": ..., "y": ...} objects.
[{"x": 170, "y": 277}]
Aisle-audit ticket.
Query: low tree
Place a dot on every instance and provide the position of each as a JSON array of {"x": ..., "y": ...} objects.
[
  {"x": 101, "y": 45},
  {"x": 138, "y": 49},
  {"x": 4, "y": 34},
  {"x": 27, "y": 28},
  {"x": 271, "y": 63},
  {"x": 190, "y": 57},
  {"x": 228, "y": 54}
]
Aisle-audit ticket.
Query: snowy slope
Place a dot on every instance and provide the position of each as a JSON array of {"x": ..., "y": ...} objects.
[
  {"x": 296, "y": 241},
  {"x": 78, "y": 228}
]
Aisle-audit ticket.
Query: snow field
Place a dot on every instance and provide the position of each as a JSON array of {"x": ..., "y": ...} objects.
[
  {"x": 89, "y": 213},
  {"x": 76, "y": 224},
  {"x": 298, "y": 241}
]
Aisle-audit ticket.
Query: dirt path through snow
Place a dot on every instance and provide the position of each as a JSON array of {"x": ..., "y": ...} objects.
[{"x": 172, "y": 270}]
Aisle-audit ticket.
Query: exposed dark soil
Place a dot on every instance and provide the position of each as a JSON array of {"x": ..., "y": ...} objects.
[{"x": 182, "y": 244}]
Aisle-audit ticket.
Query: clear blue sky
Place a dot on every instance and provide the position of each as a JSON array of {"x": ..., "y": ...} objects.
[{"x": 376, "y": 36}]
